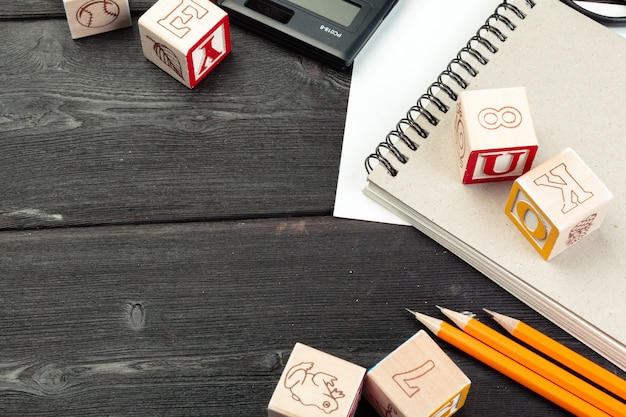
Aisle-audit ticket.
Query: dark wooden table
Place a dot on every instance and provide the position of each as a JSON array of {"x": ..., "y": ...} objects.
[{"x": 163, "y": 249}]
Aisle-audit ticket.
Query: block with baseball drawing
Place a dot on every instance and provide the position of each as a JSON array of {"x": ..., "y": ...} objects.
[
  {"x": 494, "y": 135},
  {"x": 91, "y": 17},
  {"x": 418, "y": 380},
  {"x": 316, "y": 384},
  {"x": 185, "y": 38},
  {"x": 558, "y": 203}
]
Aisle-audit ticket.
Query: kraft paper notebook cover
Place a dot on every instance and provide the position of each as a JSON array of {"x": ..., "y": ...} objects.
[{"x": 574, "y": 73}]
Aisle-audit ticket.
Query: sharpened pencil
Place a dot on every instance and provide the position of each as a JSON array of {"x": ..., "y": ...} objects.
[
  {"x": 561, "y": 354},
  {"x": 537, "y": 363},
  {"x": 509, "y": 367}
]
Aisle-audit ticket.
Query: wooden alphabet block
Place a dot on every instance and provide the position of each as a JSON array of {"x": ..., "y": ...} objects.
[
  {"x": 416, "y": 380},
  {"x": 558, "y": 203},
  {"x": 185, "y": 38},
  {"x": 91, "y": 17},
  {"x": 315, "y": 384},
  {"x": 494, "y": 135}
]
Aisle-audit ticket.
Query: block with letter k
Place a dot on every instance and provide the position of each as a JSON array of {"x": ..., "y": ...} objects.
[{"x": 558, "y": 203}]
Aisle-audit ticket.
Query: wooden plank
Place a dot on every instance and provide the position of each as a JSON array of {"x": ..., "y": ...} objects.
[
  {"x": 199, "y": 318},
  {"x": 92, "y": 132},
  {"x": 50, "y": 8}
]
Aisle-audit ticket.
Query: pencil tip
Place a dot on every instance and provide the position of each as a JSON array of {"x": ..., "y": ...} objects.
[
  {"x": 491, "y": 313},
  {"x": 446, "y": 311},
  {"x": 410, "y": 311},
  {"x": 461, "y": 320},
  {"x": 508, "y": 323},
  {"x": 430, "y": 323},
  {"x": 443, "y": 309}
]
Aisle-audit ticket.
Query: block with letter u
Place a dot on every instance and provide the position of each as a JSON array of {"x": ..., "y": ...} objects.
[{"x": 494, "y": 135}]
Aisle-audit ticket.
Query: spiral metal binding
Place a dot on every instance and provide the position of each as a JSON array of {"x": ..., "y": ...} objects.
[{"x": 451, "y": 73}]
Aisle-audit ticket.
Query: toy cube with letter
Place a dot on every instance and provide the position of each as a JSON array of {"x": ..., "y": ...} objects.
[
  {"x": 558, "y": 203},
  {"x": 494, "y": 135},
  {"x": 91, "y": 17},
  {"x": 316, "y": 384},
  {"x": 185, "y": 38},
  {"x": 416, "y": 380}
]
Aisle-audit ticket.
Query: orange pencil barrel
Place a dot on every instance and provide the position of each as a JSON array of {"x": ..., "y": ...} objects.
[
  {"x": 562, "y": 354},
  {"x": 546, "y": 368},
  {"x": 510, "y": 368}
]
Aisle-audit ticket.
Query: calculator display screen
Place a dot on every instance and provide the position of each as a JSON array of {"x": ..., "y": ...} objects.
[{"x": 339, "y": 11}]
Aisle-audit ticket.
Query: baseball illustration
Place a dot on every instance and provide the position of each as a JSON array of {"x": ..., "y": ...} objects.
[{"x": 97, "y": 13}]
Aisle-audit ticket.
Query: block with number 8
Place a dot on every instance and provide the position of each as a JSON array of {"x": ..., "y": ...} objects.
[
  {"x": 494, "y": 135},
  {"x": 185, "y": 38}
]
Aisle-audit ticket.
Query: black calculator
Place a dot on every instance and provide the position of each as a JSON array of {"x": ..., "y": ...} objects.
[{"x": 331, "y": 31}]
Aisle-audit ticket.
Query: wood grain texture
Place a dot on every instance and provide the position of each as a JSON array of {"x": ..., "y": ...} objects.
[
  {"x": 91, "y": 132},
  {"x": 162, "y": 250},
  {"x": 53, "y": 8},
  {"x": 198, "y": 319}
]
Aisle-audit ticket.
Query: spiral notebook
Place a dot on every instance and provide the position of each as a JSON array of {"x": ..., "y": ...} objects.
[{"x": 573, "y": 71}]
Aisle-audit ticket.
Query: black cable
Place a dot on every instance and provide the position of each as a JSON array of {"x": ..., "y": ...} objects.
[{"x": 605, "y": 20}]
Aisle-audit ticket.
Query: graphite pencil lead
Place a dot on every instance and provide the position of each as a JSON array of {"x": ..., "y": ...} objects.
[
  {"x": 507, "y": 323},
  {"x": 491, "y": 313},
  {"x": 459, "y": 319},
  {"x": 430, "y": 323}
]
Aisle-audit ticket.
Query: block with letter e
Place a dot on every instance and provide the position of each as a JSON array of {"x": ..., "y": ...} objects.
[
  {"x": 494, "y": 135},
  {"x": 418, "y": 380},
  {"x": 185, "y": 38},
  {"x": 91, "y": 17},
  {"x": 558, "y": 203},
  {"x": 316, "y": 384}
]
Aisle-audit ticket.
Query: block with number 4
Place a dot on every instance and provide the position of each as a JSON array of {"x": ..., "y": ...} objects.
[
  {"x": 185, "y": 38},
  {"x": 494, "y": 135},
  {"x": 418, "y": 380},
  {"x": 558, "y": 203}
]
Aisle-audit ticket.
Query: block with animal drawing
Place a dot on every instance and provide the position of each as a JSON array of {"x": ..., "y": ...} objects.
[
  {"x": 185, "y": 38},
  {"x": 558, "y": 203},
  {"x": 418, "y": 380},
  {"x": 494, "y": 135},
  {"x": 316, "y": 384},
  {"x": 91, "y": 17}
]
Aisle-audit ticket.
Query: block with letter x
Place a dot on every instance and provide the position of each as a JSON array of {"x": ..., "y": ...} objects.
[
  {"x": 558, "y": 203},
  {"x": 185, "y": 38}
]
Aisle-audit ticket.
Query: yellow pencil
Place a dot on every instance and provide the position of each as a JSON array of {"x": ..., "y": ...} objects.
[
  {"x": 537, "y": 363},
  {"x": 509, "y": 367},
  {"x": 562, "y": 354}
]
